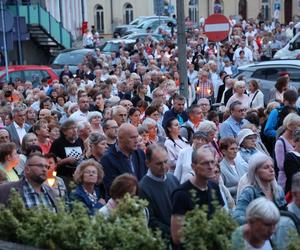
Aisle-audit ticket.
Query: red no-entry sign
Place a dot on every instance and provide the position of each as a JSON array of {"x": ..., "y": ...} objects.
[{"x": 216, "y": 27}]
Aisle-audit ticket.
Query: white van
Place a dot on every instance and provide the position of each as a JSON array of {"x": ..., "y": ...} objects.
[{"x": 291, "y": 50}]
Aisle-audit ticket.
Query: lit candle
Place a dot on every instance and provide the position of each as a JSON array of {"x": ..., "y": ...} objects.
[
  {"x": 198, "y": 88},
  {"x": 209, "y": 91}
]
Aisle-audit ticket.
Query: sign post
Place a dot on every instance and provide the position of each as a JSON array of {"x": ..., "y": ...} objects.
[{"x": 216, "y": 28}]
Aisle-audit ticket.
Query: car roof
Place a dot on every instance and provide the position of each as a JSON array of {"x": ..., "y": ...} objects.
[
  {"x": 77, "y": 51},
  {"x": 25, "y": 67},
  {"x": 271, "y": 63},
  {"x": 121, "y": 41}
]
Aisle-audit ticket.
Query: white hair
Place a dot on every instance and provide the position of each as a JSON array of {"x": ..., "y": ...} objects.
[
  {"x": 238, "y": 84},
  {"x": 148, "y": 122},
  {"x": 207, "y": 126},
  {"x": 291, "y": 118},
  {"x": 263, "y": 209},
  {"x": 93, "y": 114},
  {"x": 81, "y": 125}
]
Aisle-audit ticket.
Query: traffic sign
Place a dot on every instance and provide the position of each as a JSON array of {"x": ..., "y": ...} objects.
[{"x": 216, "y": 27}]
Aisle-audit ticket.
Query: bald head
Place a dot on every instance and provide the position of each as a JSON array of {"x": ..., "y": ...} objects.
[{"x": 128, "y": 138}]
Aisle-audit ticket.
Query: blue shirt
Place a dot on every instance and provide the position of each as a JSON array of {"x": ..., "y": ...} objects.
[
  {"x": 271, "y": 125},
  {"x": 231, "y": 127}
]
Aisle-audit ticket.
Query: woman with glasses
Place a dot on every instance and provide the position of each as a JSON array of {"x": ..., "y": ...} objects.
[
  {"x": 88, "y": 176},
  {"x": 231, "y": 172},
  {"x": 239, "y": 95}
]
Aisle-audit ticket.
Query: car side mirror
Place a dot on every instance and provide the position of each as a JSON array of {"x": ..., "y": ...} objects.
[{"x": 291, "y": 46}]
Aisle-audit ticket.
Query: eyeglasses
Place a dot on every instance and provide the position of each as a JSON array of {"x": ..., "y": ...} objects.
[
  {"x": 40, "y": 165},
  {"x": 90, "y": 172},
  {"x": 113, "y": 127},
  {"x": 242, "y": 110}
]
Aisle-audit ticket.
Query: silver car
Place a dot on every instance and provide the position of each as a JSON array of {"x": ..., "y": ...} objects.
[{"x": 266, "y": 73}]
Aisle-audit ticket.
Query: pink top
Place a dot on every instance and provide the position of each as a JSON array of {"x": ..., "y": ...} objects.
[{"x": 244, "y": 99}]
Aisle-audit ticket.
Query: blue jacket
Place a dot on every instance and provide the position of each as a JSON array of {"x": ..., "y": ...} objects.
[
  {"x": 171, "y": 113},
  {"x": 115, "y": 163},
  {"x": 272, "y": 122},
  {"x": 80, "y": 195},
  {"x": 251, "y": 193}
]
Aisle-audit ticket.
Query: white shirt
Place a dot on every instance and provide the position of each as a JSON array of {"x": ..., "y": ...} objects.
[
  {"x": 216, "y": 81},
  {"x": 258, "y": 101},
  {"x": 173, "y": 149},
  {"x": 183, "y": 170},
  {"x": 248, "y": 54},
  {"x": 78, "y": 116},
  {"x": 21, "y": 131}
]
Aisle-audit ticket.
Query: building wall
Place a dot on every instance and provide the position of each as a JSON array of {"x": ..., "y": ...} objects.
[{"x": 205, "y": 8}]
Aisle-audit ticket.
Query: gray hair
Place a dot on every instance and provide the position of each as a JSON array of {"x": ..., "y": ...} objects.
[
  {"x": 93, "y": 114},
  {"x": 148, "y": 122},
  {"x": 81, "y": 125},
  {"x": 195, "y": 154},
  {"x": 115, "y": 109},
  {"x": 19, "y": 108},
  {"x": 207, "y": 126},
  {"x": 296, "y": 182},
  {"x": 255, "y": 162},
  {"x": 238, "y": 84},
  {"x": 96, "y": 137},
  {"x": 263, "y": 209},
  {"x": 291, "y": 118}
]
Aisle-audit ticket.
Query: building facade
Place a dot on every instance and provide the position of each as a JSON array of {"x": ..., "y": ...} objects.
[{"x": 106, "y": 14}]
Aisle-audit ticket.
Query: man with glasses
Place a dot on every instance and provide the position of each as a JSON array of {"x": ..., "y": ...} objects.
[
  {"x": 232, "y": 126},
  {"x": 200, "y": 185},
  {"x": 31, "y": 187}
]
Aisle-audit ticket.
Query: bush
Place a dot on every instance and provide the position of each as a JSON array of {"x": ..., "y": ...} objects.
[{"x": 75, "y": 230}]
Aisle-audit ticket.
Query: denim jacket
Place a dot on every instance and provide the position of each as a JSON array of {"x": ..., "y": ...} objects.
[{"x": 251, "y": 193}]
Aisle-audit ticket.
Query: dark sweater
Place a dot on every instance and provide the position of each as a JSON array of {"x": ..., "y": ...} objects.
[
  {"x": 158, "y": 194},
  {"x": 291, "y": 167}
]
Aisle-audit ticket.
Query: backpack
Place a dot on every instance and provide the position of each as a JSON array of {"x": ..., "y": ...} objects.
[
  {"x": 190, "y": 133},
  {"x": 274, "y": 157},
  {"x": 293, "y": 217}
]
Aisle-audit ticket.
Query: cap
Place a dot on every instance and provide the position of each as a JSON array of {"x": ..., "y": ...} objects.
[{"x": 243, "y": 134}]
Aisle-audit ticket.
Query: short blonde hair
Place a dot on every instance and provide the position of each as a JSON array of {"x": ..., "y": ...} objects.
[
  {"x": 239, "y": 84},
  {"x": 78, "y": 175},
  {"x": 291, "y": 118}
]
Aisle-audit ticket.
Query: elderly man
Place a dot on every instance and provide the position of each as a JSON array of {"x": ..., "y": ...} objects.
[
  {"x": 31, "y": 188},
  {"x": 206, "y": 191},
  {"x": 157, "y": 186},
  {"x": 232, "y": 126},
  {"x": 119, "y": 114},
  {"x": 18, "y": 129},
  {"x": 124, "y": 156}
]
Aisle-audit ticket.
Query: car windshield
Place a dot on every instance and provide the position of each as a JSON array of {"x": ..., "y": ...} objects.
[
  {"x": 69, "y": 58},
  {"x": 109, "y": 47}
]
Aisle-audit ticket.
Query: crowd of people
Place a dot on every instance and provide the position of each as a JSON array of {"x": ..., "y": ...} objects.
[{"x": 120, "y": 126}]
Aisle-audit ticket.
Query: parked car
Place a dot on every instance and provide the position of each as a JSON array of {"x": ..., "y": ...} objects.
[
  {"x": 291, "y": 50},
  {"x": 266, "y": 73},
  {"x": 152, "y": 23},
  {"x": 143, "y": 36},
  {"x": 33, "y": 73},
  {"x": 71, "y": 57},
  {"x": 125, "y": 29},
  {"x": 115, "y": 45}
]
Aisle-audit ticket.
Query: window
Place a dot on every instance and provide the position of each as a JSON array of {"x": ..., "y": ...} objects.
[
  {"x": 14, "y": 75},
  {"x": 218, "y": 7},
  {"x": 294, "y": 74},
  {"x": 34, "y": 75},
  {"x": 128, "y": 13},
  {"x": 193, "y": 11},
  {"x": 265, "y": 9},
  {"x": 99, "y": 18},
  {"x": 267, "y": 74},
  {"x": 297, "y": 43}
]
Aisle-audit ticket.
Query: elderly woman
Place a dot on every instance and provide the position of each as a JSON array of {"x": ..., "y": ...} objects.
[
  {"x": 88, "y": 176},
  {"x": 284, "y": 144},
  {"x": 231, "y": 172},
  {"x": 183, "y": 170},
  {"x": 262, "y": 217},
  {"x": 122, "y": 185},
  {"x": 174, "y": 142},
  {"x": 97, "y": 146},
  {"x": 94, "y": 118},
  {"x": 260, "y": 181},
  {"x": 256, "y": 97},
  {"x": 151, "y": 125},
  {"x": 239, "y": 95},
  {"x": 292, "y": 161},
  {"x": 246, "y": 140},
  {"x": 211, "y": 129}
]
